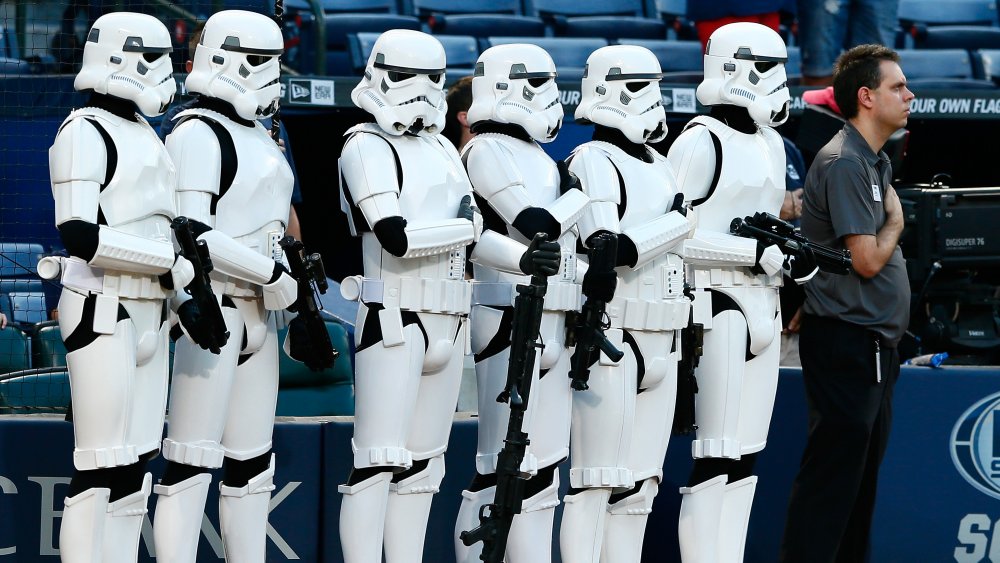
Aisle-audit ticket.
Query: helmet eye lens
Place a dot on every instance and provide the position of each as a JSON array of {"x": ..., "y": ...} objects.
[
  {"x": 764, "y": 66},
  {"x": 538, "y": 82},
  {"x": 635, "y": 86},
  {"x": 151, "y": 57},
  {"x": 257, "y": 60},
  {"x": 397, "y": 76},
  {"x": 435, "y": 78}
]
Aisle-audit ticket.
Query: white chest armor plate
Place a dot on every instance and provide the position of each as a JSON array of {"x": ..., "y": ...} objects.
[
  {"x": 255, "y": 208},
  {"x": 650, "y": 297},
  {"x": 139, "y": 199},
  {"x": 433, "y": 185},
  {"x": 540, "y": 178},
  {"x": 752, "y": 178}
]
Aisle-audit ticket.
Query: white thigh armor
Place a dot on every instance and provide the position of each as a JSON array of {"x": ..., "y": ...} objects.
[
  {"x": 113, "y": 174},
  {"x": 739, "y": 309},
  {"x": 411, "y": 333}
]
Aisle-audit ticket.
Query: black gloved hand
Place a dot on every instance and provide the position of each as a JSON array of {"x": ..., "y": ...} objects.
[
  {"x": 600, "y": 285},
  {"x": 542, "y": 257},
  {"x": 465, "y": 209},
  {"x": 567, "y": 180},
  {"x": 199, "y": 327},
  {"x": 299, "y": 347},
  {"x": 678, "y": 204},
  {"x": 801, "y": 267}
]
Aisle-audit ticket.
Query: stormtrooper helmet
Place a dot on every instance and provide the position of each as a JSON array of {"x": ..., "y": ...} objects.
[
  {"x": 403, "y": 85},
  {"x": 127, "y": 56},
  {"x": 745, "y": 66},
  {"x": 237, "y": 61},
  {"x": 517, "y": 84},
  {"x": 621, "y": 89}
]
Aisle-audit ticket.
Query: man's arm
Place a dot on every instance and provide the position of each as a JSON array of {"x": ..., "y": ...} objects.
[{"x": 870, "y": 253}]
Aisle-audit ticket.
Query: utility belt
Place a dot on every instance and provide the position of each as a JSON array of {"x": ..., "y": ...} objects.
[
  {"x": 264, "y": 242},
  {"x": 76, "y": 274},
  {"x": 234, "y": 287},
  {"x": 734, "y": 276},
  {"x": 423, "y": 295},
  {"x": 638, "y": 314},
  {"x": 559, "y": 296}
]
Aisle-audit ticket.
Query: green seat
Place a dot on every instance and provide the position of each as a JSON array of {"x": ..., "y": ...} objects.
[
  {"x": 303, "y": 392},
  {"x": 35, "y": 391},
  {"x": 47, "y": 348},
  {"x": 14, "y": 350}
]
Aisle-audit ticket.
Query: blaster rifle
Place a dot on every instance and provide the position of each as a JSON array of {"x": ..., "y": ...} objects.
[
  {"x": 692, "y": 341},
  {"x": 590, "y": 324},
  {"x": 768, "y": 229},
  {"x": 495, "y": 518},
  {"x": 200, "y": 288},
  {"x": 311, "y": 277}
]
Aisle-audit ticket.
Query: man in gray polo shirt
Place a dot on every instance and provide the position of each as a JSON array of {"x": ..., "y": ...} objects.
[{"x": 851, "y": 324}]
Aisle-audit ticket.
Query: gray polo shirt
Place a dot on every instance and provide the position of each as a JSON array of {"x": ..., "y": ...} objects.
[{"x": 844, "y": 191}]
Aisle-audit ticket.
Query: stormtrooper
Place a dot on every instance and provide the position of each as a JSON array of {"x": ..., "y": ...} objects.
[
  {"x": 113, "y": 184},
  {"x": 521, "y": 191},
  {"x": 621, "y": 424},
  {"x": 408, "y": 198},
  {"x": 731, "y": 164},
  {"x": 234, "y": 185}
]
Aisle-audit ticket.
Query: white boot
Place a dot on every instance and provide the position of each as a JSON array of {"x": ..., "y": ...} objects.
[
  {"x": 124, "y": 524},
  {"x": 468, "y": 519},
  {"x": 736, "y": 505},
  {"x": 243, "y": 517},
  {"x": 530, "y": 538},
  {"x": 698, "y": 525},
  {"x": 362, "y": 518},
  {"x": 407, "y": 513},
  {"x": 177, "y": 525},
  {"x": 582, "y": 529},
  {"x": 626, "y": 524},
  {"x": 81, "y": 533}
]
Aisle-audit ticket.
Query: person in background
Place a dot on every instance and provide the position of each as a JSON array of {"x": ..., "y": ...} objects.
[
  {"x": 827, "y": 27},
  {"x": 456, "y": 120},
  {"x": 167, "y": 125},
  {"x": 851, "y": 324}
]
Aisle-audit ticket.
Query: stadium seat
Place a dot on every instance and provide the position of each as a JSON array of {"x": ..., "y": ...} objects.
[
  {"x": 611, "y": 27},
  {"x": 950, "y": 12},
  {"x": 19, "y": 259},
  {"x": 569, "y": 8},
  {"x": 15, "y": 350},
  {"x": 793, "y": 68},
  {"x": 484, "y": 25},
  {"x": 939, "y": 63},
  {"x": 674, "y": 56},
  {"x": 674, "y": 13},
  {"x": 23, "y": 301},
  {"x": 569, "y": 53},
  {"x": 14, "y": 66},
  {"x": 42, "y": 390},
  {"x": 303, "y": 392},
  {"x": 428, "y": 7},
  {"x": 968, "y": 37},
  {"x": 360, "y": 6},
  {"x": 47, "y": 348},
  {"x": 340, "y": 26},
  {"x": 988, "y": 63}
]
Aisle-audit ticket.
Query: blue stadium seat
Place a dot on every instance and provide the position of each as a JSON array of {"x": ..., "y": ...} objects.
[
  {"x": 940, "y": 69},
  {"x": 988, "y": 61},
  {"x": 19, "y": 259},
  {"x": 674, "y": 13},
  {"x": 303, "y": 392},
  {"x": 484, "y": 25},
  {"x": 360, "y": 6},
  {"x": 793, "y": 68},
  {"x": 428, "y": 7},
  {"x": 569, "y": 53},
  {"x": 968, "y": 37},
  {"x": 15, "y": 350},
  {"x": 47, "y": 347},
  {"x": 340, "y": 26},
  {"x": 568, "y": 8},
  {"x": 14, "y": 66},
  {"x": 35, "y": 391},
  {"x": 675, "y": 56},
  {"x": 950, "y": 12},
  {"x": 611, "y": 27},
  {"x": 23, "y": 301}
]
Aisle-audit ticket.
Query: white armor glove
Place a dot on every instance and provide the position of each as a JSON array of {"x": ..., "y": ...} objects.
[
  {"x": 771, "y": 260},
  {"x": 282, "y": 292}
]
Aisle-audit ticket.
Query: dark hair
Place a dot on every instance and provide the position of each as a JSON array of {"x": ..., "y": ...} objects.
[
  {"x": 459, "y": 98},
  {"x": 194, "y": 38},
  {"x": 858, "y": 68}
]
